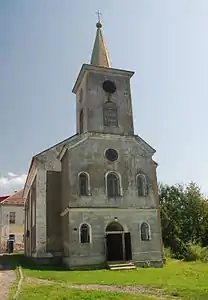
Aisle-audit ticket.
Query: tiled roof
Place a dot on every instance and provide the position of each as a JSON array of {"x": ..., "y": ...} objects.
[
  {"x": 15, "y": 199},
  {"x": 2, "y": 198}
]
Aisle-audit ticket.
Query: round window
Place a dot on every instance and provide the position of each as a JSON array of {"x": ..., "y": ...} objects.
[
  {"x": 111, "y": 154},
  {"x": 109, "y": 87}
]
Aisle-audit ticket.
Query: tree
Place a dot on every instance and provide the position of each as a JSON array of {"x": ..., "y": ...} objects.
[{"x": 184, "y": 217}]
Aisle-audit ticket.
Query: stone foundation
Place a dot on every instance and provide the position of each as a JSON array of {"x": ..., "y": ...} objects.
[{"x": 151, "y": 263}]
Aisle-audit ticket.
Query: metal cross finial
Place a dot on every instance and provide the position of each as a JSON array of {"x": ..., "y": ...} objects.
[{"x": 99, "y": 14}]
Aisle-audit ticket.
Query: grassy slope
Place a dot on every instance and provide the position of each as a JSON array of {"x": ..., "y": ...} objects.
[{"x": 189, "y": 280}]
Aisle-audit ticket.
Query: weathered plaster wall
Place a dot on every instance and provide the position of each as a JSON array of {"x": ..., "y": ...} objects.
[
  {"x": 94, "y": 97},
  {"x": 98, "y": 219},
  {"x": 132, "y": 160}
]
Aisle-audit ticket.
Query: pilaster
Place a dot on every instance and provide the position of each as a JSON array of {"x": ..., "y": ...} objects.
[{"x": 41, "y": 212}]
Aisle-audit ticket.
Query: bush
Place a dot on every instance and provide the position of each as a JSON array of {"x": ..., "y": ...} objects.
[
  {"x": 196, "y": 252},
  {"x": 193, "y": 252},
  {"x": 179, "y": 249},
  {"x": 204, "y": 254},
  {"x": 168, "y": 253}
]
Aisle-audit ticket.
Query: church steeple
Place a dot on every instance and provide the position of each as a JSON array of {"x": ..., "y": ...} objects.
[
  {"x": 100, "y": 55},
  {"x": 103, "y": 94}
]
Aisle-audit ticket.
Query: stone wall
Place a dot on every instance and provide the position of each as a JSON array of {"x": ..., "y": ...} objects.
[
  {"x": 98, "y": 219},
  {"x": 93, "y": 98},
  {"x": 132, "y": 160},
  {"x": 53, "y": 210}
]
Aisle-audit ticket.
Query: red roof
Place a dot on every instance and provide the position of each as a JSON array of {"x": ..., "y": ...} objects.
[
  {"x": 2, "y": 198},
  {"x": 15, "y": 199}
]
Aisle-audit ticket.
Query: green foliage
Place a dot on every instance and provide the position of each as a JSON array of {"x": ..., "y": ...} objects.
[
  {"x": 168, "y": 253},
  {"x": 184, "y": 218},
  {"x": 193, "y": 252},
  {"x": 196, "y": 252},
  {"x": 204, "y": 254}
]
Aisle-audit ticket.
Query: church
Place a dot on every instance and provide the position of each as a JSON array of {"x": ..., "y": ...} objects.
[{"x": 91, "y": 201}]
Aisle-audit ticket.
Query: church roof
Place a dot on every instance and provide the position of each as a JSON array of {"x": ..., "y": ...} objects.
[
  {"x": 14, "y": 199},
  {"x": 100, "y": 55}
]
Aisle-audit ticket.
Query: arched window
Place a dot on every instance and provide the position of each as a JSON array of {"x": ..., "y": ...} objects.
[
  {"x": 81, "y": 121},
  {"x": 110, "y": 115},
  {"x": 145, "y": 232},
  {"x": 84, "y": 234},
  {"x": 83, "y": 184},
  {"x": 113, "y": 186},
  {"x": 142, "y": 185}
]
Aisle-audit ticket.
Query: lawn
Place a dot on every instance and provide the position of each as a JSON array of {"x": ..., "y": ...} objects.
[
  {"x": 31, "y": 291},
  {"x": 178, "y": 279}
]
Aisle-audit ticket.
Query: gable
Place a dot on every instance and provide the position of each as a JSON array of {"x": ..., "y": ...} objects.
[{"x": 49, "y": 160}]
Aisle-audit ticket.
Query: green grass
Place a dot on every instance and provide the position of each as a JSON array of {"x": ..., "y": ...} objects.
[
  {"x": 45, "y": 292},
  {"x": 187, "y": 280}
]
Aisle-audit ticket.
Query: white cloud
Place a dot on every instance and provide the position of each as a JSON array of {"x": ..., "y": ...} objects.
[
  {"x": 10, "y": 174},
  {"x": 11, "y": 182}
]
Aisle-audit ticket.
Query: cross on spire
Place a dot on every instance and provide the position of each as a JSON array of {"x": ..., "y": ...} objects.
[{"x": 99, "y": 14}]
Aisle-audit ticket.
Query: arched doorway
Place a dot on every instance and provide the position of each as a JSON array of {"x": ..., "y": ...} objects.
[
  {"x": 114, "y": 226},
  {"x": 118, "y": 242}
]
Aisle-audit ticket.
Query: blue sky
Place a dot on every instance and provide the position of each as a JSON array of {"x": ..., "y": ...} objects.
[{"x": 43, "y": 45}]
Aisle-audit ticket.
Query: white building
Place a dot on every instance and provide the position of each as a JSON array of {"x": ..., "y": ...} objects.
[{"x": 12, "y": 218}]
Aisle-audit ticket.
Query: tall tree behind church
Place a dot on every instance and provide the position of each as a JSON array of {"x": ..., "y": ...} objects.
[{"x": 184, "y": 216}]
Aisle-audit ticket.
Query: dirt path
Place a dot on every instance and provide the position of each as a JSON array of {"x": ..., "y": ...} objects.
[
  {"x": 155, "y": 293},
  {"x": 7, "y": 277}
]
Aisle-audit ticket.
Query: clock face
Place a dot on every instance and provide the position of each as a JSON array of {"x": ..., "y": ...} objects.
[{"x": 109, "y": 86}]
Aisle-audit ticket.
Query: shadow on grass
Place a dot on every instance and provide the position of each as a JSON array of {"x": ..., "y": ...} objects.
[
  {"x": 12, "y": 261},
  {"x": 5, "y": 263}
]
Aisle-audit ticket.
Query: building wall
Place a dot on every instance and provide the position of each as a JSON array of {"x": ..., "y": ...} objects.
[
  {"x": 134, "y": 157},
  {"x": 132, "y": 160},
  {"x": 18, "y": 227},
  {"x": 65, "y": 191},
  {"x": 98, "y": 219},
  {"x": 53, "y": 210},
  {"x": 131, "y": 210},
  {"x": 94, "y": 97}
]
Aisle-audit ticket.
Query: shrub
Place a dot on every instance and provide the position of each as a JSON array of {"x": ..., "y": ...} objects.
[
  {"x": 168, "y": 253},
  {"x": 179, "y": 249},
  {"x": 196, "y": 252},
  {"x": 193, "y": 252},
  {"x": 204, "y": 254}
]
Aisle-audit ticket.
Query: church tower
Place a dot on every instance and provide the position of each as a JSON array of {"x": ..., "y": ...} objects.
[{"x": 103, "y": 94}]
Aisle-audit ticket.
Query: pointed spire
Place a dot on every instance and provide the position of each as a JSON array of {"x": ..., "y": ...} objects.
[{"x": 100, "y": 55}]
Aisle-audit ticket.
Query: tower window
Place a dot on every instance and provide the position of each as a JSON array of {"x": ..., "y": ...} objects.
[
  {"x": 110, "y": 114},
  {"x": 83, "y": 184},
  {"x": 113, "y": 186},
  {"x": 81, "y": 121},
  {"x": 142, "y": 185},
  {"x": 85, "y": 234},
  {"x": 145, "y": 232}
]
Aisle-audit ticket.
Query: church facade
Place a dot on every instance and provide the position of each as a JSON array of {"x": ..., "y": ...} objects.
[{"x": 92, "y": 199}]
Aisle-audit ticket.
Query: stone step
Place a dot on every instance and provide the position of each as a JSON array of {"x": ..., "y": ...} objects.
[{"x": 121, "y": 266}]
